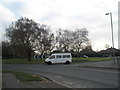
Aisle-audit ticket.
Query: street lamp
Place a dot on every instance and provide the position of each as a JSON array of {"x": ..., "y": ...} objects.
[{"x": 112, "y": 35}]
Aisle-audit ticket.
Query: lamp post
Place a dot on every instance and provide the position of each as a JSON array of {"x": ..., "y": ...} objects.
[{"x": 112, "y": 35}]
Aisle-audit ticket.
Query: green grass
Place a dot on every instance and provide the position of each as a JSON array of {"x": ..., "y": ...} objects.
[
  {"x": 90, "y": 59},
  {"x": 23, "y": 61},
  {"x": 41, "y": 61},
  {"x": 22, "y": 76}
]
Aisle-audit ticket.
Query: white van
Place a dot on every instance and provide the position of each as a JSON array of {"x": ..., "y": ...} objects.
[{"x": 59, "y": 58}]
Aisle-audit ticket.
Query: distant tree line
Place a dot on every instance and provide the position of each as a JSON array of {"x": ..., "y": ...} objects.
[{"x": 25, "y": 37}]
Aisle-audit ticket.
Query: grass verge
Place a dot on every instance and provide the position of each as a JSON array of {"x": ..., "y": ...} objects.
[
  {"x": 90, "y": 59},
  {"x": 25, "y": 77},
  {"x": 41, "y": 61},
  {"x": 23, "y": 61}
]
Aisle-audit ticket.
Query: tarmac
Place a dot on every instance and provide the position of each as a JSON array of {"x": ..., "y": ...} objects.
[{"x": 8, "y": 77}]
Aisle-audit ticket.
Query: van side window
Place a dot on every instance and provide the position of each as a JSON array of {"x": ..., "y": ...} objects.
[
  {"x": 68, "y": 56},
  {"x": 52, "y": 57},
  {"x": 58, "y": 56},
  {"x": 64, "y": 56}
]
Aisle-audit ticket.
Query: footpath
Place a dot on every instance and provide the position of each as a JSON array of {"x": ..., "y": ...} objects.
[
  {"x": 10, "y": 81},
  {"x": 102, "y": 64}
]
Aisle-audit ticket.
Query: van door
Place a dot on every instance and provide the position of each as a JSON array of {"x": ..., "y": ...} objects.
[
  {"x": 59, "y": 58},
  {"x": 53, "y": 59},
  {"x": 64, "y": 58}
]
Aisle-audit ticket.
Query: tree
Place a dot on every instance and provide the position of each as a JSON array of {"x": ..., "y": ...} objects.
[
  {"x": 64, "y": 40},
  {"x": 72, "y": 40},
  {"x": 23, "y": 33},
  {"x": 7, "y": 51},
  {"x": 80, "y": 39},
  {"x": 45, "y": 41}
]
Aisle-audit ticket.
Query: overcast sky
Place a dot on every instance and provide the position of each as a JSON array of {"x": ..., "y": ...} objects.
[{"x": 66, "y": 14}]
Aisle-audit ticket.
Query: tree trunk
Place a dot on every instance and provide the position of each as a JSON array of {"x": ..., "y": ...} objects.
[
  {"x": 29, "y": 54},
  {"x": 77, "y": 54}
]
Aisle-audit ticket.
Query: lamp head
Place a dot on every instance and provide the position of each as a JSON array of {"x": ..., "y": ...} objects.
[{"x": 107, "y": 14}]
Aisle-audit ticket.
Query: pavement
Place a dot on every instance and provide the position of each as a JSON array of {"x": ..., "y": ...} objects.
[
  {"x": 10, "y": 81},
  {"x": 102, "y": 64}
]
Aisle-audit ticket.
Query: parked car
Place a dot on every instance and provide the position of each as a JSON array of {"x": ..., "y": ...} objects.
[{"x": 85, "y": 56}]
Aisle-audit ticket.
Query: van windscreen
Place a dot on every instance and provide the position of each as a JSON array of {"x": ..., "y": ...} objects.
[{"x": 52, "y": 57}]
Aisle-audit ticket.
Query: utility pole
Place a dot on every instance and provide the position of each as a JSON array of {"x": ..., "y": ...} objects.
[{"x": 112, "y": 35}]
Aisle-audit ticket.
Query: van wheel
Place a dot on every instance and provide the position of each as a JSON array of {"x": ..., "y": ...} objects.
[
  {"x": 67, "y": 62},
  {"x": 49, "y": 63}
]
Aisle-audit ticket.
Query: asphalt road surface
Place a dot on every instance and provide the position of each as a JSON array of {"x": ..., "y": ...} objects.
[{"x": 71, "y": 76}]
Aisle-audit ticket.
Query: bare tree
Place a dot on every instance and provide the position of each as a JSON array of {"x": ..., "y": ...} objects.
[
  {"x": 45, "y": 40},
  {"x": 72, "y": 40},
  {"x": 64, "y": 39},
  {"x": 80, "y": 38}
]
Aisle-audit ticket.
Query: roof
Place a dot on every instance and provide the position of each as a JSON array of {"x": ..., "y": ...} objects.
[
  {"x": 87, "y": 51},
  {"x": 109, "y": 50}
]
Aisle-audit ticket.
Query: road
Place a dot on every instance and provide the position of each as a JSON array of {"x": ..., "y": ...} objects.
[{"x": 71, "y": 76}]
